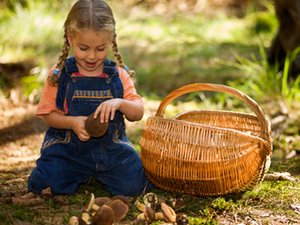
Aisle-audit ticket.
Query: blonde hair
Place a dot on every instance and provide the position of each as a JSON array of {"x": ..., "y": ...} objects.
[{"x": 88, "y": 14}]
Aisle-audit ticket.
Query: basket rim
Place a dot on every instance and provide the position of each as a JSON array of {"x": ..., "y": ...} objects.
[
  {"x": 219, "y": 88},
  {"x": 250, "y": 115},
  {"x": 209, "y": 127}
]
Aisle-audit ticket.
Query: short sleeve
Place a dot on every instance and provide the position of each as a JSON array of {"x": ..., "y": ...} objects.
[
  {"x": 130, "y": 92},
  {"x": 47, "y": 103}
]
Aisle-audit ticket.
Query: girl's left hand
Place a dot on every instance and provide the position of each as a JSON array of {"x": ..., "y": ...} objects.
[{"x": 107, "y": 109}]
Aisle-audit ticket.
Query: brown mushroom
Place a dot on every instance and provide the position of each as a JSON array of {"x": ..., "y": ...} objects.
[
  {"x": 75, "y": 220},
  {"x": 93, "y": 126},
  {"x": 168, "y": 213},
  {"x": 101, "y": 201},
  {"x": 122, "y": 198},
  {"x": 119, "y": 208},
  {"x": 103, "y": 216},
  {"x": 149, "y": 214},
  {"x": 179, "y": 203},
  {"x": 46, "y": 194}
]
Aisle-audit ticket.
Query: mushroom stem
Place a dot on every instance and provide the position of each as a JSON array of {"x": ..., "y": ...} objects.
[
  {"x": 86, "y": 217},
  {"x": 141, "y": 216},
  {"x": 159, "y": 216},
  {"x": 139, "y": 205},
  {"x": 95, "y": 207}
]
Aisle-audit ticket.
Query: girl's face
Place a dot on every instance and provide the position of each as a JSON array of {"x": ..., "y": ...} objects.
[{"x": 90, "y": 51}]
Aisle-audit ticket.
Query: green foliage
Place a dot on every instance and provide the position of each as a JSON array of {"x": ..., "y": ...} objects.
[
  {"x": 220, "y": 204},
  {"x": 262, "y": 81},
  {"x": 207, "y": 216},
  {"x": 29, "y": 28},
  {"x": 174, "y": 47}
]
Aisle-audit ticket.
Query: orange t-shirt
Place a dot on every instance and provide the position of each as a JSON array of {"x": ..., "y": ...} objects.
[{"x": 47, "y": 102}]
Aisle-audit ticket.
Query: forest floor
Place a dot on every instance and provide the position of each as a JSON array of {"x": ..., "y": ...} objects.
[{"x": 21, "y": 136}]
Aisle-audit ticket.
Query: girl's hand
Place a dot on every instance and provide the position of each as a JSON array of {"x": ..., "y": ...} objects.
[
  {"x": 133, "y": 111},
  {"x": 76, "y": 123},
  {"x": 78, "y": 126},
  {"x": 108, "y": 109}
]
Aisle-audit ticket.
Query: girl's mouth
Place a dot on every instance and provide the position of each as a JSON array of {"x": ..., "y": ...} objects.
[{"x": 88, "y": 64}]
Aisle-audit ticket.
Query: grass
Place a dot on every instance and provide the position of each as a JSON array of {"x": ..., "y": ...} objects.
[{"x": 267, "y": 198}]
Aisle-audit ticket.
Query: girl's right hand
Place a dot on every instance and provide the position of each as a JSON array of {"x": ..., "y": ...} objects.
[
  {"x": 76, "y": 123},
  {"x": 78, "y": 126}
]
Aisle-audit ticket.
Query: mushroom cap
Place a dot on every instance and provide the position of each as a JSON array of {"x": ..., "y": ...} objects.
[
  {"x": 90, "y": 202},
  {"x": 122, "y": 198},
  {"x": 168, "y": 213},
  {"x": 103, "y": 216},
  {"x": 149, "y": 214},
  {"x": 119, "y": 208},
  {"x": 179, "y": 203},
  {"x": 101, "y": 201},
  {"x": 93, "y": 126}
]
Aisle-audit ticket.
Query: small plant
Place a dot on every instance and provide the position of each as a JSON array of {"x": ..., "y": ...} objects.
[
  {"x": 263, "y": 81},
  {"x": 220, "y": 204}
]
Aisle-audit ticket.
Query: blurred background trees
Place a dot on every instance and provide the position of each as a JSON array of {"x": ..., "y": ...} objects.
[{"x": 169, "y": 43}]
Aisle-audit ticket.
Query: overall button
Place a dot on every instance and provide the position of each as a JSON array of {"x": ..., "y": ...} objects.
[{"x": 74, "y": 80}]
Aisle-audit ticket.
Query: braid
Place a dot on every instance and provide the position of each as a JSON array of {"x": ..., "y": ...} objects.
[
  {"x": 53, "y": 79},
  {"x": 118, "y": 56}
]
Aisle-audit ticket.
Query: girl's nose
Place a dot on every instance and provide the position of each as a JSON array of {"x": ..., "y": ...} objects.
[{"x": 91, "y": 54}]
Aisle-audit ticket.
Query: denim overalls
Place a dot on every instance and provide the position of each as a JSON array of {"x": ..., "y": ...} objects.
[{"x": 66, "y": 162}]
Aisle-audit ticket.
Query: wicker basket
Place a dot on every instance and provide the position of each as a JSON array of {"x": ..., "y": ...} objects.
[{"x": 206, "y": 152}]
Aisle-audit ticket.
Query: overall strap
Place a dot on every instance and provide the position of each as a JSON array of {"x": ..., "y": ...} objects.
[
  {"x": 69, "y": 68},
  {"x": 113, "y": 77}
]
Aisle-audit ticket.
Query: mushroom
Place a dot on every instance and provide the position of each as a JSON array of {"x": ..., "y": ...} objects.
[
  {"x": 46, "y": 194},
  {"x": 150, "y": 199},
  {"x": 101, "y": 201},
  {"x": 95, "y": 204},
  {"x": 93, "y": 126},
  {"x": 122, "y": 198},
  {"x": 139, "y": 205},
  {"x": 85, "y": 216},
  {"x": 103, "y": 216},
  {"x": 178, "y": 203},
  {"x": 168, "y": 213},
  {"x": 75, "y": 220},
  {"x": 158, "y": 216},
  {"x": 90, "y": 202},
  {"x": 149, "y": 214},
  {"x": 119, "y": 208}
]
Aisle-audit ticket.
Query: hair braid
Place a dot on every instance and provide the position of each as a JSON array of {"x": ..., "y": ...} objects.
[
  {"x": 118, "y": 56},
  {"x": 53, "y": 79}
]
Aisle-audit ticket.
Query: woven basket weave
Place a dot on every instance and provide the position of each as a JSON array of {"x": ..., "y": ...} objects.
[{"x": 206, "y": 152}]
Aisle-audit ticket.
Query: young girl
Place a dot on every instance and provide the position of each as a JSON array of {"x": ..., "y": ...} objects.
[{"x": 76, "y": 87}]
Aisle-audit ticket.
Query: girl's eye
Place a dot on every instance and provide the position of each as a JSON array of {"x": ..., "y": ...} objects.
[
  {"x": 83, "y": 49},
  {"x": 100, "y": 49}
]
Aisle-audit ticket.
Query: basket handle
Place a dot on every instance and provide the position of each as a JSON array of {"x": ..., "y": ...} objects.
[{"x": 219, "y": 88}]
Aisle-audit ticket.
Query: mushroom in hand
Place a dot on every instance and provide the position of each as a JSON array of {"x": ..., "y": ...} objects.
[{"x": 93, "y": 126}]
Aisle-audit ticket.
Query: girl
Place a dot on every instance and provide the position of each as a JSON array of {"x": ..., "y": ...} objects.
[{"x": 76, "y": 87}]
